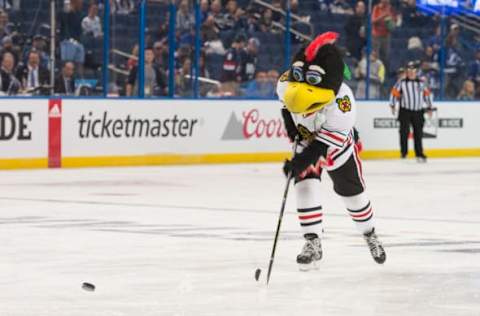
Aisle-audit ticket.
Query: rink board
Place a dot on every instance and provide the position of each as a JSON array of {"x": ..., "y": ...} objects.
[
  {"x": 23, "y": 133},
  {"x": 99, "y": 132}
]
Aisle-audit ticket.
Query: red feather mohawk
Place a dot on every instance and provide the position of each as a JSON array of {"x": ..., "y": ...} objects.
[{"x": 318, "y": 42}]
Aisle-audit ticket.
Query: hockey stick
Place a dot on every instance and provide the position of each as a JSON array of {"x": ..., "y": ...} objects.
[{"x": 279, "y": 223}]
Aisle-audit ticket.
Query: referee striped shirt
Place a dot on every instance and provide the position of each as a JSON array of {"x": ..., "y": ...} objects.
[{"x": 411, "y": 95}]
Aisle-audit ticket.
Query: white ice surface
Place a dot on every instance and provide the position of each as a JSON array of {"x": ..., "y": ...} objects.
[{"x": 187, "y": 240}]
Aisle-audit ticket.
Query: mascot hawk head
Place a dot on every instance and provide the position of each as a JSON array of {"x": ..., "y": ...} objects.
[{"x": 315, "y": 75}]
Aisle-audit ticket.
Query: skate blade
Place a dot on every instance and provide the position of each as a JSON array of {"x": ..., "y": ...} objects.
[{"x": 308, "y": 267}]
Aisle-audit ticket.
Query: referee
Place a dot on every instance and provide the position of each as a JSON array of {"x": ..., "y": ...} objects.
[{"x": 411, "y": 95}]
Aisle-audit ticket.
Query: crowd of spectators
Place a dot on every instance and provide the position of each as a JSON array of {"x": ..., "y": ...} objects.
[
  {"x": 25, "y": 58},
  {"x": 235, "y": 37},
  {"x": 231, "y": 50}
]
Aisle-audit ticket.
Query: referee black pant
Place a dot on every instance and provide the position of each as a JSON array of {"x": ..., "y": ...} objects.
[{"x": 416, "y": 119}]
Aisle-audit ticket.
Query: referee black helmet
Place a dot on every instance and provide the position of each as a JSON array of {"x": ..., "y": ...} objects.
[{"x": 413, "y": 64}]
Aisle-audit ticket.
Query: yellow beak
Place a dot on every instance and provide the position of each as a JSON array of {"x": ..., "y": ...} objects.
[{"x": 302, "y": 98}]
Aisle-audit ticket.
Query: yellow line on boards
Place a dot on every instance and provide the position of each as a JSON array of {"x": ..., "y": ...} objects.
[
  {"x": 104, "y": 161},
  {"x": 23, "y": 163},
  {"x": 431, "y": 153},
  {"x": 170, "y": 159}
]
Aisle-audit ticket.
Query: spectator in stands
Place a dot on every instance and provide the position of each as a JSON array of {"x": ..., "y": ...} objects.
[
  {"x": 162, "y": 28},
  {"x": 431, "y": 57},
  {"x": 122, "y": 7},
  {"x": 303, "y": 24},
  {"x": 253, "y": 21},
  {"x": 376, "y": 77},
  {"x": 65, "y": 82},
  {"x": 453, "y": 70},
  {"x": 160, "y": 52},
  {"x": 40, "y": 45},
  {"x": 183, "y": 52},
  {"x": 436, "y": 40},
  {"x": 215, "y": 91},
  {"x": 214, "y": 61},
  {"x": 183, "y": 84},
  {"x": 474, "y": 69},
  {"x": 240, "y": 21},
  {"x": 202, "y": 65},
  {"x": 234, "y": 59},
  {"x": 323, "y": 4},
  {"x": 384, "y": 20},
  {"x": 341, "y": 7},
  {"x": 411, "y": 17},
  {"x": 155, "y": 79},
  {"x": 226, "y": 89},
  {"x": 213, "y": 45},
  {"x": 209, "y": 30},
  {"x": 231, "y": 9},
  {"x": 4, "y": 31},
  {"x": 414, "y": 49},
  {"x": 216, "y": 11},
  {"x": 249, "y": 63},
  {"x": 204, "y": 8},
  {"x": 355, "y": 31},
  {"x": 266, "y": 21},
  {"x": 296, "y": 8},
  {"x": 468, "y": 91},
  {"x": 7, "y": 46},
  {"x": 71, "y": 49},
  {"x": 9, "y": 84},
  {"x": 133, "y": 60},
  {"x": 6, "y": 4},
  {"x": 277, "y": 16},
  {"x": 429, "y": 65},
  {"x": 187, "y": 38},
  {"x": 261, "y": 87},
  {"x": 185, "y": 20},
  {"x": 32, "y": 75},
  {"x": 429, "y": 75},
  {"x": 91, "y": 24},
  {"x": 453, "y": 40},
  {"x": 273, "y": 76}
]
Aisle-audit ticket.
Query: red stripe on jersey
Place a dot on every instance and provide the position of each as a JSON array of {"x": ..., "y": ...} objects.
[
  {"x": 303, "y": 217},
  {"x": 338, "y": 138},
  {"x": 364, "y": 214},
  {"x": 343, "y": 151},
  {"x": 334, "y": 152}
]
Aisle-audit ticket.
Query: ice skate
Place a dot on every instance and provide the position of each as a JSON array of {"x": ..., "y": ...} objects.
[
  {"x": 422, "y": 159},
  {"x": 311, "y": 253},
  {"x": 375, "y": 246}
]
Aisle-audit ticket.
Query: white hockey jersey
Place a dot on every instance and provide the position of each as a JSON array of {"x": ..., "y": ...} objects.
[{"x": 332, "y": 125}]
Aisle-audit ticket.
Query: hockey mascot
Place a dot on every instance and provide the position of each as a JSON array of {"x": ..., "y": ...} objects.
[{"x": 319, "y": 112}]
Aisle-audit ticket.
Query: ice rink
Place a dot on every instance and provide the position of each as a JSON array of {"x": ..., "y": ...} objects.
[{"x": 186, "y": 241}]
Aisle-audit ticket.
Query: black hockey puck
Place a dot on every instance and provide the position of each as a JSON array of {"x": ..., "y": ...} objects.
[
  {"x": 257, "y": 274},
  {"x": 88, "y": 287}
]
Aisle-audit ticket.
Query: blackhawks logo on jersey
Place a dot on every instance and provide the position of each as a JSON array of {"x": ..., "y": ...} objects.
[{"x": 344, "y": 104}]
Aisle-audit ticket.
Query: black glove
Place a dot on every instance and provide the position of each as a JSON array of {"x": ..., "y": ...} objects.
[
  {"x": 307, "y": 157},
  {"x": 292, "y": 130}
]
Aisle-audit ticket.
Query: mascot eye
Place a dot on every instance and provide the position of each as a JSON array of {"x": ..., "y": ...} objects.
[
  {"x": 297, "y": 73},
  {"x": 313, "y": 77}
]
